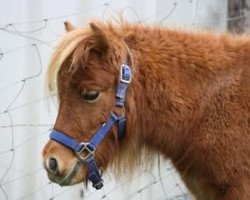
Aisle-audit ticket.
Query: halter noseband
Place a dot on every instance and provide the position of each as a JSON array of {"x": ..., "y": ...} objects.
[{"x": 89, "y": 148}]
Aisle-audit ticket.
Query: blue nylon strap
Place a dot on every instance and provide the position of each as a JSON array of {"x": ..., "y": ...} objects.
[
  {"x": 94, "y": 174},
  {"x": 66, "y": 140},
  {"x": 121, "y": 92},
  {"x": 96, "y": 139},
  {"x": 120, "y": 103},
  {"x": 121, "y": 123},
  {"x": 100, "y": 134}
]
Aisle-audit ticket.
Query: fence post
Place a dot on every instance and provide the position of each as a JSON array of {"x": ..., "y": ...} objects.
[{"x": 238, "y": 15}]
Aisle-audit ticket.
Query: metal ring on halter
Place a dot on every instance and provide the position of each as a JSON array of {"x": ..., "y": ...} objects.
[{"x": 86, "y": 148}]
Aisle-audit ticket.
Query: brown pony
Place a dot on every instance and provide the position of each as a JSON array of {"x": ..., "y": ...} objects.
[{"x": 189, "y": 100}]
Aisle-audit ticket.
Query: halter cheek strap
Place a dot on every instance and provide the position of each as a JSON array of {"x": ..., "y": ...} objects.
[{"x": 86, "y": 151}]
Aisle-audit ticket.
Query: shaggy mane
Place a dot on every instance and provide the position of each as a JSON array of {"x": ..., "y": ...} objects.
[
  {"x": 74, "y": 48},
  {"x": 63, "y": 51}
]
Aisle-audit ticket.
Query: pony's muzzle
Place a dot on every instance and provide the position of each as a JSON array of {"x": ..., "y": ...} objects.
[{"x": 62, "y": 165}]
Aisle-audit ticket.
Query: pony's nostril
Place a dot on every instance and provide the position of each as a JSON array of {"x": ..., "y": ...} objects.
[{"x": 53, "y": 165}]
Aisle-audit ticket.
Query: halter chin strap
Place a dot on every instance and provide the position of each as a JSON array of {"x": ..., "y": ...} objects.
[{"x": 86, "y": 151}]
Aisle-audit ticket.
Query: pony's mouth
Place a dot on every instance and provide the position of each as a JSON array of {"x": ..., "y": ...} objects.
[{"x": 70, "y": 178}]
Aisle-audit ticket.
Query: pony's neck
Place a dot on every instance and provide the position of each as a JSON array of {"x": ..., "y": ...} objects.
[{"x": 174, "y": 73}]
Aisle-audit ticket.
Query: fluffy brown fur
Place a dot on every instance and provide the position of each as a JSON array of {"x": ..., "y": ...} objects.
[{"x": 189, "y": 100}]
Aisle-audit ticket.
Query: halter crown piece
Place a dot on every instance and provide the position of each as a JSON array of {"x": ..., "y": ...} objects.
[{"x": 88, "y": 148}]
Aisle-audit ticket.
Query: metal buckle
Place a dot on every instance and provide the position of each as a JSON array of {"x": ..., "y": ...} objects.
[
  {"x": 99, "y": 185},
  {"x": 86, "y": 152},
  {"x": 125, "y": 70}
]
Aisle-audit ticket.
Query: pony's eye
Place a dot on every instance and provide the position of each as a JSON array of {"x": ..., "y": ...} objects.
[{"x": 90, "y": 95}]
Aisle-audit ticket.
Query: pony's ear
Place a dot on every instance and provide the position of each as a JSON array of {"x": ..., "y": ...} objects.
[
  {"x": 68, "y": 26},
  {"x": 101, "y": 42}
]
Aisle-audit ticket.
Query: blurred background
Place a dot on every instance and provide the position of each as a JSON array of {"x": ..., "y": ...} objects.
[{"x": 29, "y": 30}]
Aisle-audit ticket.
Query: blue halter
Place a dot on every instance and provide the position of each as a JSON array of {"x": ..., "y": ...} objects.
[{"x": 89, "y": 148}]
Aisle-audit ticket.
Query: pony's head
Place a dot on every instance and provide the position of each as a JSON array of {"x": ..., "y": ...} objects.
[{"x": 86, "y": 73}]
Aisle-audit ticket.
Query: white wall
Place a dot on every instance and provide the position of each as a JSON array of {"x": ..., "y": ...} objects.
[{"x": 26, "y": 115}]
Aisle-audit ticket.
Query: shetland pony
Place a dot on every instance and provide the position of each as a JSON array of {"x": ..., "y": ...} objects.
[{"x": 188, "y": 100}]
